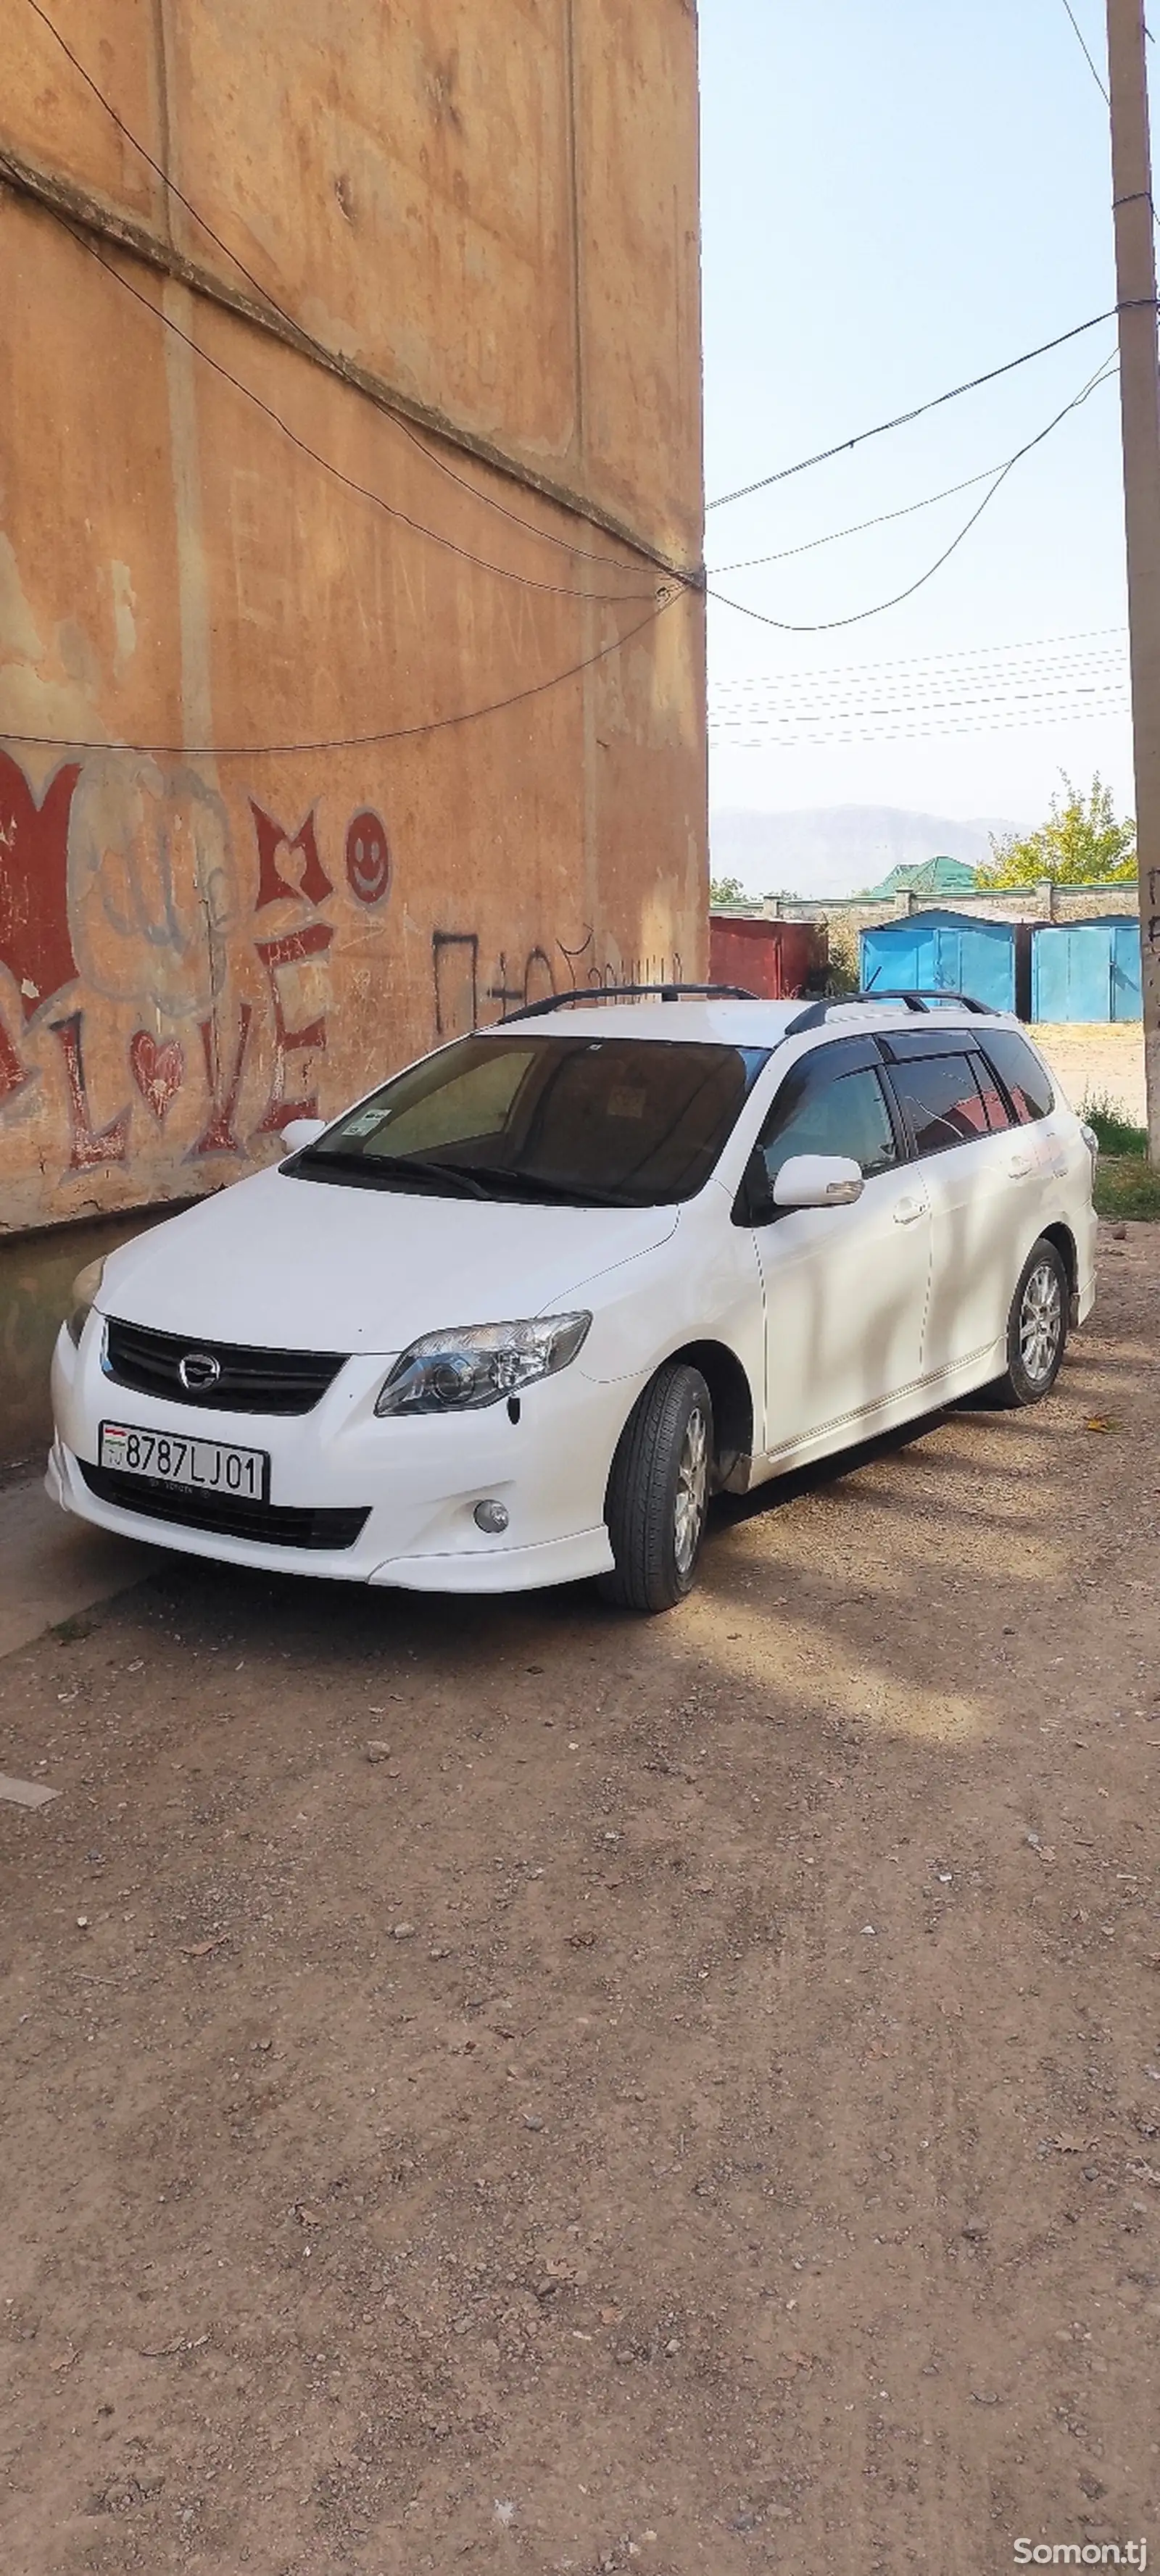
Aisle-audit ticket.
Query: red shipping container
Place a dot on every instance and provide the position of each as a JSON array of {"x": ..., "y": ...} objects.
[{"x": 771, "y": 958}]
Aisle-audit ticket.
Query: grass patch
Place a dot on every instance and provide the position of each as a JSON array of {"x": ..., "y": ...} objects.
[
  {"x": 1118, "y": 1135},
  {"x": 1127, "y": 1186}
]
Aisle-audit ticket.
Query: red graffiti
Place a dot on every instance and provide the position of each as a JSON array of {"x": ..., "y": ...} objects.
[
  {"x": 158, "y": 1070},
  {"x": 89, "y": 1146},
  {"x": 368, "y": 857},
  {"x": 293, "y": 950},
  {"x": 34, "y": 935},
  {"x": 313, "y": 883},
  {"x": 219, "y": 1136},
  {"x": 12, "y": 1074}
]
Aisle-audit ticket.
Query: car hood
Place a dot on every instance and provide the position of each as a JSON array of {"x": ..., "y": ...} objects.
[{"x": 285, "y": 1264}]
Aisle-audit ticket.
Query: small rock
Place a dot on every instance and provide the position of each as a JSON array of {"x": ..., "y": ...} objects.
[
  {"x": 1119, "y": 1234},
  {"x": 377, "y": 1751},
  {"x": 403, "y": 1931},
  {"x": 532, "y": 2120},
  {"x": 82, "y": 1922},
  {"x": 439, "y": 1950}
]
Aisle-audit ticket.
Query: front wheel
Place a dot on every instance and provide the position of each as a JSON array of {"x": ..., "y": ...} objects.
[
  {"x": 658, "y": 1492},
  {"x": 1036, "y": 1328}
]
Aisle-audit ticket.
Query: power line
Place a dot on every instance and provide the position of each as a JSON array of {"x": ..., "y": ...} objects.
[
  {"x": 156, "y": 312},
  {"x": 902, "y": 418},
  {"x": 828, "y": 625},
  {"x": 754, "y": 563},
  {"x": 895, "y": 680},
  {"x": 355, "y": 741},
  {"x": 965, "y": 653},
  {"x": 546, "y": 536},
  {"x": 931, "y": 732},
  {"x": 1101, "y": 85},
  {"x": 812, "y": 718}
]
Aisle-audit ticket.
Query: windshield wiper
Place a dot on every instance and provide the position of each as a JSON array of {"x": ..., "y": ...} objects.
[
  {"x": 571, "y": 1193},
  {"x": 392, "y": 1167}
]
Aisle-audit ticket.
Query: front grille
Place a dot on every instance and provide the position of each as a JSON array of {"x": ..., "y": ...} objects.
[
  {"x": 248, "y": 1380},
  {"x": 225, "y": 1515}
]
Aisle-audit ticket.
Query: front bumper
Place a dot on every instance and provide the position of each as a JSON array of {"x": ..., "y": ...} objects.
[{"x": 418, "y": 1481}]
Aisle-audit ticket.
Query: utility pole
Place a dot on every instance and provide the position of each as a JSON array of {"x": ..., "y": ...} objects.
[{"x": 1140, "y": 422}]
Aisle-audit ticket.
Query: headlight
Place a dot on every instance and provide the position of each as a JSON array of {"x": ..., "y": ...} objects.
[
  {"x": 85, "y": 1288},
  {"x": 472, "y": 1365},
  {"x": 1091, "y": 1140}
]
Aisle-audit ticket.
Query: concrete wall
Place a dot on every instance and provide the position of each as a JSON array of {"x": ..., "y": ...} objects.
[{"x": 482, "y": 224}]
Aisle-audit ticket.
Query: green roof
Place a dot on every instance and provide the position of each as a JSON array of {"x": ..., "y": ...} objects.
[{"x": 932, "y": 876}]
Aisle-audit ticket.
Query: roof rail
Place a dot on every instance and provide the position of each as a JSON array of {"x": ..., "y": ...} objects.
[
  {"x": 625, "y": 993},
  {"x": 915, "y": 997}
]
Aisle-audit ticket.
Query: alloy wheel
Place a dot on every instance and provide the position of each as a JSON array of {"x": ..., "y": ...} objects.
[
  {"x": 1040, "y": 1323},
  {"x": 692, "y": 1490}
]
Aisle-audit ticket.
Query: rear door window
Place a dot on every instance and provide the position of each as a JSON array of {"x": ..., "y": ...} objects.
[
  {"x": 942, "y": 1102},
  {"x": 1024, "y": 1077},
  {"x": 821, "y": 1111}
]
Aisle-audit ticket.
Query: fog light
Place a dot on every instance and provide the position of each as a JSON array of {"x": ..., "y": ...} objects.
[{"x": 491, "y": 1517}]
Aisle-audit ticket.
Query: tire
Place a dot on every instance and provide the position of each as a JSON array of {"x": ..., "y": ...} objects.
[
  {"x": 658, "y": 1492},
  {"x": 1036, "y": 1328}
]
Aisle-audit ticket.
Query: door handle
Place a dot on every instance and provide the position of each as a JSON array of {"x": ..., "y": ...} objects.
[
  {"x": 1020, "y": 1166},
  {"x": 906, "y": 1211}
]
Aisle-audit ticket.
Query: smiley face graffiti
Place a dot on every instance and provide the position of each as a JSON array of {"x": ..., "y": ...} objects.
[{"x": 368, "y": 857}]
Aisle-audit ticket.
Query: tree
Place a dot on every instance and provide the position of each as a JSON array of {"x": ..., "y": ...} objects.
[
  {"x": 1081, "y": 843},
  {"x": 726, "y": 890}
]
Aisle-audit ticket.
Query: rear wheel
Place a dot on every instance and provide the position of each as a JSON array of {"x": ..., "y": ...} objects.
[
  {"x": 658, "y": 1492},
  {"x": 1036, "y": 1328}
]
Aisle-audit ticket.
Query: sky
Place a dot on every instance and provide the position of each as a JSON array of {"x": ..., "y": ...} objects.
[{"x": 896, "y": 199}]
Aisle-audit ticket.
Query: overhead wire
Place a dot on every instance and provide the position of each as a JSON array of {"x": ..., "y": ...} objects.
[
  {"x": 363, "y": 491},
  {"x": 882, "y": 519},
  {"x": 546, "y": 536},
  {"x": 1088, "y": 58},
  {"x": 902, "y": 419},
  {"x": 354, "y": 741},
  {"x": 963, "y": 653},
  {"x": 829, "y": 625}
]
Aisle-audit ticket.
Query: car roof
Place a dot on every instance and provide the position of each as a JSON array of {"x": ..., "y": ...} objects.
[{"x": 694, "y": 1020}]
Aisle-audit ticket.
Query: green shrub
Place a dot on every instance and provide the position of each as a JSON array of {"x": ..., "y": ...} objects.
[{"x": 1117, "y": 1134}]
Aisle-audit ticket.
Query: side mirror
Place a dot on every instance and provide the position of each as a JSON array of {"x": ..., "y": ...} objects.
[
  {"x": 818, "y": 1181},
  {"x": 302, "y": 1131}
]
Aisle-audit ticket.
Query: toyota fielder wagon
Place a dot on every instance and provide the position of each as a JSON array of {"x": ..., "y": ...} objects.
[{"x": 514, "y": 1317}]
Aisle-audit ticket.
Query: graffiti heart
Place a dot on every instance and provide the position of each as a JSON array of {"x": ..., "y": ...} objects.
[{"x": 158, "y": 1069}]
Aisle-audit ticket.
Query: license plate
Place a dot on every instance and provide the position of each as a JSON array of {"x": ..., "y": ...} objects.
[{"x": 202, "y": 1466}]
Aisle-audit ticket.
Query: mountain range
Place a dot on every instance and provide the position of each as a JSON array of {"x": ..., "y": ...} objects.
[{"x": 838, "y": 849}]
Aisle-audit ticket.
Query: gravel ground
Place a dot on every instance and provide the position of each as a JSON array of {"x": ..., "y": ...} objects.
[{"x": 496, "y": 2085}]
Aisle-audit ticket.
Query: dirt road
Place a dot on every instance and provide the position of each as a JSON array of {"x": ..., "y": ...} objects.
[
  {"x": 691, "y": 2104},
  {"x": 1102, "y": 1062}
]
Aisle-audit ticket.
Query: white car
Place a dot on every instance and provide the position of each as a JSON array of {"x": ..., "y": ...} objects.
[{"x": 514, "y": 1317}]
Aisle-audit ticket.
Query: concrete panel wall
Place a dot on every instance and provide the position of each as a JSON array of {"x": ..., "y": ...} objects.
[{"x": 193, "y": 945}]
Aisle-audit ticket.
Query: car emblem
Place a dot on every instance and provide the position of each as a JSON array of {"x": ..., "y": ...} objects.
[{"x": 198, "y": 1371}]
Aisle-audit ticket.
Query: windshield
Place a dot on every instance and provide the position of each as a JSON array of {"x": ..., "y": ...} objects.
[{"x": 602, "y": 1122}]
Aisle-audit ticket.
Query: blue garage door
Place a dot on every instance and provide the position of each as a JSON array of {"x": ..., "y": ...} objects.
[
  {"x": 1127, "y": 975},
  {"x": 942, "y": 952},
  {"x": 1086, "y": 970}
]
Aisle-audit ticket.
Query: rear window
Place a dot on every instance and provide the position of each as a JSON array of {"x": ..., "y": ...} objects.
[
  {"x": 944, "y": 1105},
  {"x": 1022, "y": 1073}
]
